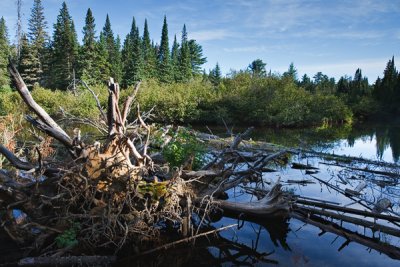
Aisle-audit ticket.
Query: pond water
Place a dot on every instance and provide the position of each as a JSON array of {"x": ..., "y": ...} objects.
[{"x": 292, "y": 242}]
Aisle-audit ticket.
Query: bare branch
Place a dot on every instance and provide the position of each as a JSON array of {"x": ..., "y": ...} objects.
[
  {"x": 38, "y": 110},
  {"x": 128, "y": 103},
  {"x": 103, "y": 115}
]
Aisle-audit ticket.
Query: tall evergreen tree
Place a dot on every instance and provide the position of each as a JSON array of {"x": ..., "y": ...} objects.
[
  {"x": 185, "y": 68},
  {"x": 149, "y": 55},
  {"x": 196, "y": 57},
  {"x": 65, "y": 49},
  {"x": 29, "y": 64},
  {"x": 38, "y": 37},
  {"x": 113, "y": 49},
  {"x": 164, "y": 59},
  {"x": 307, "y": 84},
  {"x": 215, "y": 75},
  {"x": 359, "y": 86},
  {"x": 4, "y": 53},
  {"x": 118, "y": 59},
  {"x": 175, "y": 59},
  {"x": 91, "y": 60},
  {"x": 343, "y": 85},
  {"x": 133, "y": 60},
  {"x": 291, "y": 73},
  {"x": 257, "y": 68},
  {"x": 387, "y": 89}
]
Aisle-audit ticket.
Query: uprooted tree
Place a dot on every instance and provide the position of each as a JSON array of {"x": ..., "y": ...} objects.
[
  {"x": 110, "y": 193},
  {"x": 115, "y": 192}
]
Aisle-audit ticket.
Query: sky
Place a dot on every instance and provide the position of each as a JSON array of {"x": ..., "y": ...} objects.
[{"x": 335, "y": 37}]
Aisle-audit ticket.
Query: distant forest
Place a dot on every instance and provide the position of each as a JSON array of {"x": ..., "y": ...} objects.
[{"x": 251, "y": 95}]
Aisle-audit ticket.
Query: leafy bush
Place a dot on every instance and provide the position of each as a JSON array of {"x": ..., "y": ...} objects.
[
  {"x": 175, "y": 102},
  {"x": 10, "y": 103},
  {"x": 184, "y": 146}
]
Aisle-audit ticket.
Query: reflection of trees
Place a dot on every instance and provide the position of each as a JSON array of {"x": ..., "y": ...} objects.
[
  {"x": 394, "y": 137},
  {"x": 382, "y": 141},
  {"x": 325, "y": 138},
  {"x": 388, "y": 137}
]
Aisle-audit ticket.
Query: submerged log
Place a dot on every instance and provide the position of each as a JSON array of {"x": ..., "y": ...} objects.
[{"x": 270, "y": 205}]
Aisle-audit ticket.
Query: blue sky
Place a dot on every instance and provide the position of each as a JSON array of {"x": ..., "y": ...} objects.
[{"x": 335, "y": 37}]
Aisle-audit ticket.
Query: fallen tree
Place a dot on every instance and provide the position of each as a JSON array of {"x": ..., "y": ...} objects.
[
  {"x": 103, "y": 195},
  {"x": 110, "y": 193}
]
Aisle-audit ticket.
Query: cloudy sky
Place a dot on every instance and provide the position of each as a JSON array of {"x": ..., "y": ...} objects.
[{"x": 335, "y": 37}]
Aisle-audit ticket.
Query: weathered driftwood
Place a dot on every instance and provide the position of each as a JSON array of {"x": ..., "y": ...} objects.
[
  {"x": 373, "y": 225},
  {"x": 350, "y": 236},
  {"x": 270, "y": 205},
  {"x": 349, "y": 210}
]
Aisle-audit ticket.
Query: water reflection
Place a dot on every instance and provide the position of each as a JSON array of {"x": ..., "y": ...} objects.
[{"x": 373, "y": 140}]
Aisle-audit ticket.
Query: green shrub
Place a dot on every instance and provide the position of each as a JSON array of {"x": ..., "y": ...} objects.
[
  {"x": 184, "y": 146},
  {"x": 10, "y": 103}
]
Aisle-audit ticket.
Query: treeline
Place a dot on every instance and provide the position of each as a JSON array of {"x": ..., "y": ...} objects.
[
  {"x": 174, "y": 83},
  {"x": 53, "y": 62},
  {"x": 257, "y": 97}
]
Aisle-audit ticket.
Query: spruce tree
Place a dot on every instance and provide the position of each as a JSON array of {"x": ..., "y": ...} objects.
[
  {"x": 175, "y": 60},
  {"x": 103, "y": 62},
  {"x": 65, "y": 49},
  {"x": 4, "y": 53},
  {"x": 29, "y": 64},
  {"x": 132, "y": 54},
  {"x": 117, "y": 66},
  {"x": 149, "y": 55},
  {"x": 91, "y": 59},
  {"x": 257, "y": 68},
  {"x": 164, "y": 59},
  {"x": 196, "y": 57},
  {"x": 215, "y": 75},
  {"x": 386, "y": 89},
  {"x": 38, "y": 37},
  {"x": 113, "y": 49},
  {"x": 185, "y": 68}
]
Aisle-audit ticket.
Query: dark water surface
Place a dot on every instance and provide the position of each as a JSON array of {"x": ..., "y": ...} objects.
[{"x": 292, "y": 242}]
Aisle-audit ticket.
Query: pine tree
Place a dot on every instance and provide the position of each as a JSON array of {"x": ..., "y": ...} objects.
[
  {"x": 133, "y": 60},
  {"x": 291, "y": 73},
  {"x": 215, "y": 75},
  {"x": 149, "y": 54},
  {"x": 4, "y": 53},
  {"x": 257, "y": 68},
  {"x": 386, "y": 90},
  {"x": 196, "y": 57},
  {"x": 113, "y": 49},
  {"x": 38, "y": 36},
  {"x": 185, "y": 68},
  {"x": 359, "y": 86},
  {"x": 91, "y": 60},
  {"x": 65, "y": 49},
  {"x": 29, "y": 64},
  {"x": 175, "y": 60},
  {"x": 164, "y": 59},
  {"x": 103, "y": 63}
]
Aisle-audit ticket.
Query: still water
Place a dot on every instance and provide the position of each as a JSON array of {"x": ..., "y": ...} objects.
[{"x": 291, "y": 242}]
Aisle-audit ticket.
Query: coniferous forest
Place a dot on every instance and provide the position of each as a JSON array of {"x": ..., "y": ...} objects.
[{"x": 53, "y": 63}]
